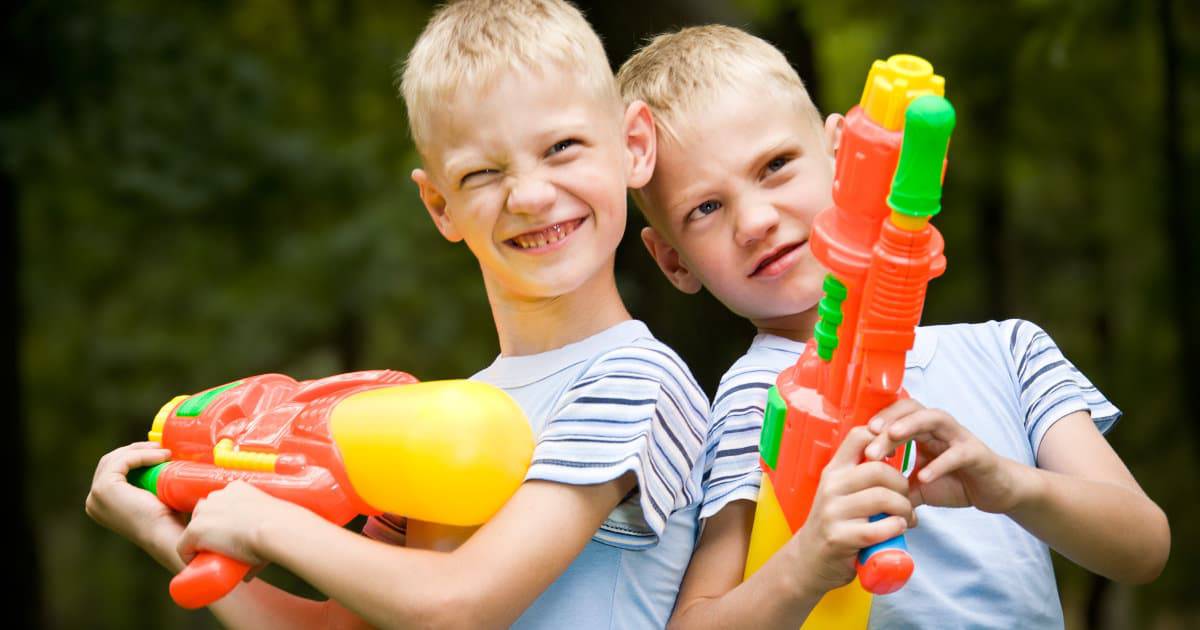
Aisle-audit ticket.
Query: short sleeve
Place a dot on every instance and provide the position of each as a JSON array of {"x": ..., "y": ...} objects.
[
  {"x": 1050, "y": 386},
  {"x": 732, "y": 471},
  {"x": 635, "y": 409},
  {"x": 386, "y": 528}
]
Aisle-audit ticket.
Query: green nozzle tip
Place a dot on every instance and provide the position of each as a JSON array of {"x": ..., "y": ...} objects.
[
  {"x": 917, "y": 186},
  {"x": 146, "y": 478}
]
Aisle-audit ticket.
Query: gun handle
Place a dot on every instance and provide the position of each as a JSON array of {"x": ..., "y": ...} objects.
[
  {"x": 207, "y": 578},
  {"x": 885, "y": 567}
]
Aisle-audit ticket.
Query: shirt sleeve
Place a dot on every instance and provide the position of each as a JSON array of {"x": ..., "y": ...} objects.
[
  {"x": 1050, "y": 386},
  {"x": 635, "y": 409},
  {"x": 732, "y": 471}
]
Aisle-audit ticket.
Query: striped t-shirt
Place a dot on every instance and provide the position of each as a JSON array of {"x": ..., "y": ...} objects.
[
  {"x": 617, "y": 402},
  {"x": 1006, "y": 382}
]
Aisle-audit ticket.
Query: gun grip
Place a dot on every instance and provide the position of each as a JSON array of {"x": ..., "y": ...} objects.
[
  {"x": 886, "y": 566},
  {"x": 207, "y": 578}
]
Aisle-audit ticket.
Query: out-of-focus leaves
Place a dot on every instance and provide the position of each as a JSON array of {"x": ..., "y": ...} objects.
[{"x": 213, "y": 190}]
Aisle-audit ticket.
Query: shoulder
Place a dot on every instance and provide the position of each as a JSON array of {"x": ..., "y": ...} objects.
[
  {"x": 642, "y": 364},
  {"x": 991, "y": 345},
  {"x": 1010, "y": 336},
  {"x": 749, "y": 378}
]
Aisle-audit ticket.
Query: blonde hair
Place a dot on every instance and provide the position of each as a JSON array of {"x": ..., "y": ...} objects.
[
  {"x": 676, "y": 73},
  {"x": 471, "y": 43}
]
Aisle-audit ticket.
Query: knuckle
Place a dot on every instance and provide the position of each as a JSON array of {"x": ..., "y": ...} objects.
[
  {"x": 835, "y": 534},
  {"x": 860, "y": 433},
  {"x": 882, "y": 473},
  {"x": 826, "y": 479}
]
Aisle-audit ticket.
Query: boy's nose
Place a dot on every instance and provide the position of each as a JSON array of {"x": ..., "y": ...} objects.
[
  {"x": 531, "y": 195},
  {"x": 754, "y": 223}
]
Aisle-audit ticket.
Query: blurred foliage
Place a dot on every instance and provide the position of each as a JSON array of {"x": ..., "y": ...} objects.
[{"x": 209, "y": 190}]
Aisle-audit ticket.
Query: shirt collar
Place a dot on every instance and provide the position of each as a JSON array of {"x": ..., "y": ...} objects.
[
  {"x": 918, "y": 357},
  {"x": 530, "y": 368}
]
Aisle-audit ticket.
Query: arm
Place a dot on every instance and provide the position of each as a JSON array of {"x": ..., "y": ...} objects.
[
  {"x": 1081, "y": 500},
  {"x": 712, "y": 594},
  {"x": 143, "y": 519},
  {"x": 1084, "y": 502},
  {"x": 489, "y": 581},
  {"x": 819, "y": 557}
]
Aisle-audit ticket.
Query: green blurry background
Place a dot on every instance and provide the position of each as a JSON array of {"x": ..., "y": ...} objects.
[{"x": 200, "y": 191}]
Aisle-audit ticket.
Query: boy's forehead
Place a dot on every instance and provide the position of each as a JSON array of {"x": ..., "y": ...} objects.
[
  {"x": 725, "y": 138},
  {"x": 735, "y": 122},
  {"x": 733, "y": 135},
  {"x": 517, "y": 107}
]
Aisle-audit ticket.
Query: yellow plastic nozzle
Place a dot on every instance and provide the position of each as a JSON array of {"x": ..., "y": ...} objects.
[
  {"x": 908, "y": 223},
  {"x": 160, "y": 419},
  {"x": 893, "y": 84}
]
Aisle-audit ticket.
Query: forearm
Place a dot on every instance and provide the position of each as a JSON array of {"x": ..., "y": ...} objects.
[
  {"x": 257, "y": 603},
  {"x": 774, "y": 597},
  {"x": 1105, "y": 527},
  {"x": 386, "y": 586}
]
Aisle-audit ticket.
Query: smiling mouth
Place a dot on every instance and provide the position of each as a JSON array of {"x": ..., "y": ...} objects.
[
  {"x": 545, "y": 236},
  {"x": 775, "y": 256}
]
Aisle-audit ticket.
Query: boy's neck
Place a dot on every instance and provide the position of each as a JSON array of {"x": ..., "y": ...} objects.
[
  {"x": 797, "y": 326},
  {"x": 534, "y": 325}
]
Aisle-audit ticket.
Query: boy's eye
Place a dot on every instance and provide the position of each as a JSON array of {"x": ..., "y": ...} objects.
[
  {"x": 480, "y": 173},
  {"x": 777, "y": 163},
  {"x": 704, "y": 209},
  {"x": 561, "y": 145}
]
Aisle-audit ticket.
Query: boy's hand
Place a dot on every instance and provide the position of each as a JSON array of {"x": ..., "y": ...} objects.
[
  {"x": 126, "y": 509},
  {"x": 848, "y": 494},
  {"x": 954, "y": 468},
  {"x": 227, "y": 522}
]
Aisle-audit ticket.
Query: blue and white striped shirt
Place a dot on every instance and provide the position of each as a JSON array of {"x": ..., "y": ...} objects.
[
  {"x": 1007, "y": 383},
  {"x": 617, "y": 402}
]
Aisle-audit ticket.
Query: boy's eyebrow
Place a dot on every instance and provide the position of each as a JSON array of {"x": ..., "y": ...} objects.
[
  {"x": 564, "y": 124},
  {"x": 460, "y": 155},
  {"x": 558, "y": 127},
  {"x": 686, "y": 196},
  {"x": 786, "y": 144}
]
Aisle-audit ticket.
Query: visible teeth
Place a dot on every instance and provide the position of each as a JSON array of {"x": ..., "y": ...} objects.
[{"x": 552, "y": 234}]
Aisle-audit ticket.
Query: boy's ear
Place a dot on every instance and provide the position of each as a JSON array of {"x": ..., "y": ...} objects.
[
  {"x": 668, "y": 260},
  {"x": 641, "y": 143},
  {"x": 834, "y": 124},
  {"x": 435, "y": 203}
]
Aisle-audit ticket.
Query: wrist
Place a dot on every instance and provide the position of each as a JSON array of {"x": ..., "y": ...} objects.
[
  {"x": 162, "y": 544},
  {"x": 1028, "y": 485},
  {"x": 801, "y": 583},
  {"x": 275, "y": 525}
]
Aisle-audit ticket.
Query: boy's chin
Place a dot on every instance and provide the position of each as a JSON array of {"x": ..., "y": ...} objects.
[{"x": 783, "y": 316}]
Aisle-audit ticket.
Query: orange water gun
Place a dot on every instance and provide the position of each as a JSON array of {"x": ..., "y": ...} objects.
[
  {"x": 445, "y": 454},
  {"x": 881, "y": 252}
]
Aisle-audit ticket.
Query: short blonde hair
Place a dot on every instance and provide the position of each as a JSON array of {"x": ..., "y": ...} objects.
[
  {"x": 471, "y": 43},
  {"x": 676, "y": 73}
]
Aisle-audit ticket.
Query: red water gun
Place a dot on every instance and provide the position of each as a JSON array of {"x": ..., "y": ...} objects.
[
  {"x": 881, "y": 252},
  {"x": 445, "y": 454}
]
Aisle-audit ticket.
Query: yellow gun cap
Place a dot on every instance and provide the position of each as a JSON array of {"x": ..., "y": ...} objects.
[
  {"x": 160, "y": 420},
  {"x": 893, "y": 84},
  {"x": 449, "y": 452}
]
